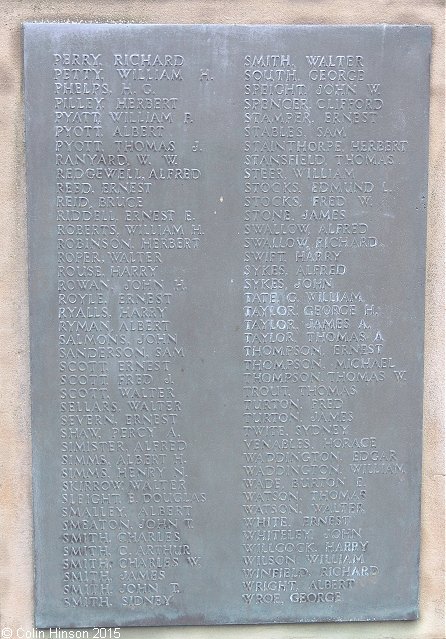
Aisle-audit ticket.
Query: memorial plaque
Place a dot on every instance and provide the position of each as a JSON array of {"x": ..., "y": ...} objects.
[{"x": 226, "y": 248}]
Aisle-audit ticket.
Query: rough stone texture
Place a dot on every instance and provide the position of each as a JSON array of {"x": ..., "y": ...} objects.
[{"x": 16, "y": 574}]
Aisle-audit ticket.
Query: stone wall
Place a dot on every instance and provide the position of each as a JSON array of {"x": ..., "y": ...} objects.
[{"x": 16, "y": 563}]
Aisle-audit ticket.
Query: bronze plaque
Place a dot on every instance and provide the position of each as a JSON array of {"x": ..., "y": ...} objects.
[{"x": 226, "y": 264}]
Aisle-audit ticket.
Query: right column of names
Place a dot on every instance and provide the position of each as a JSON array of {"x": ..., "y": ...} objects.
[{"x": 315, "y": 333}]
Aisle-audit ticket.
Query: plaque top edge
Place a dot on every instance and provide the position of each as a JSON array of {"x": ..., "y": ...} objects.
[{"x": 115, "y": 25}]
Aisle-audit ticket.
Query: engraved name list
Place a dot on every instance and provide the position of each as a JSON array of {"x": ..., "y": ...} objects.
[{"x": 226, "y": 240}]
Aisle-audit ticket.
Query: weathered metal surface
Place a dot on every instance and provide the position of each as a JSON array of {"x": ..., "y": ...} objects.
[{"x": 226, "y": 236}]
